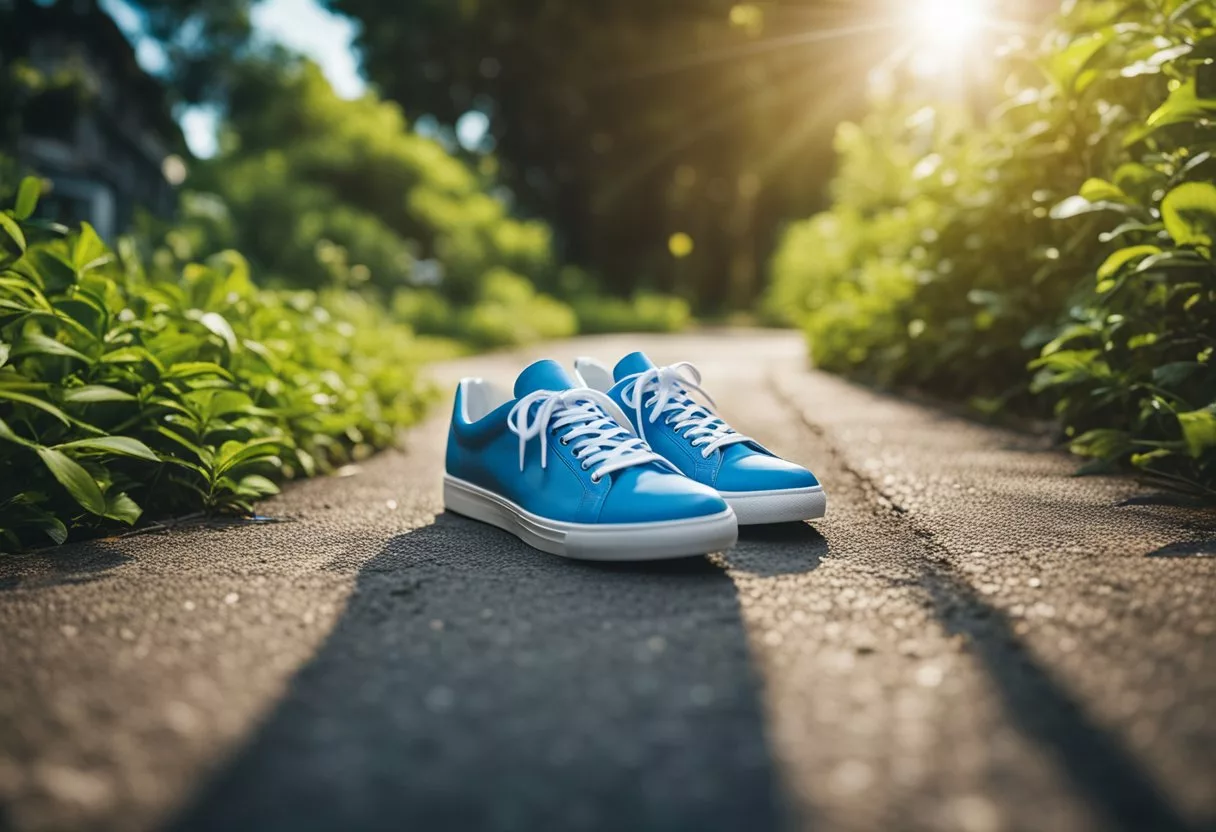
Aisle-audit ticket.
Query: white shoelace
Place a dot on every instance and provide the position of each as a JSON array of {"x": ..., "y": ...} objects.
[
  {"x": 598, "y": 437},
  {"x": 668, "y": 388}
]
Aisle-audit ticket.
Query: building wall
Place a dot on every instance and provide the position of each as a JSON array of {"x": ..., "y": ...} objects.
[{"x": 103, "y": 147}]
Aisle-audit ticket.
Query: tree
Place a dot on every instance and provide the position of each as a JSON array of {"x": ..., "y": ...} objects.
[
  {"x": 200, "y": 38},
  {"x": 625, "y": 122},
  {"x": 320, "y": 188}
]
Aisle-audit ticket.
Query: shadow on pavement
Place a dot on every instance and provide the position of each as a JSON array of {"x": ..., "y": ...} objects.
[
  {"x": 74, "y": 564},
  {"x": 1186, "y": 549},
  {"x": 778, "y": 549},
  {"x": 1094, "y": 760},
  {"x": 473, "y": 683}
]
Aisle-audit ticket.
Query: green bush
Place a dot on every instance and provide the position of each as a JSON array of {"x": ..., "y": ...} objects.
[
  {"x": 179, "y": 388},
  {"x": 357, "y": 199},
  {"x": 1132, "y": 373},
  {"x": 1070, "y": 228},
  {"x": 323, "y": 190},
  {"x": 646, "y": 312},
  {"x": 507, "y": 312}
]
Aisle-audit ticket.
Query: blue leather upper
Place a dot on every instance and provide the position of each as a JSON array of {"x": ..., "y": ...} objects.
[
  {"x": 486, "y": 453},
  {"x": 746, "y": 466}
]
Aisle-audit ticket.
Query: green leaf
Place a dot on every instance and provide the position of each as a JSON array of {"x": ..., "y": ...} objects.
[
  {"x": 1138, "y": 180},
  {"x": 204, "y": 455},
  {"x": 1122, "y": 257},
  {"x": 1176, "y": 259},
  {"x": 72, "y": 476},
  {"x": 1153, "y": 64},
  {"x": 234, "y": 453},
  {"x": 88, "y": 251},
  {"x": 1068, "y": 335},
  {"x": 1193, "y": 163},
  {"x": 7, "y": 434},
  {"x": 5, "y": 350},
  {"x": 27, "y": 197},
  {"x": 1183, "y": 106},
  {"x": 92, "y": 393},
  {"x": 1076, "y": 206},
  {"x": 1128, "y": 227},
  {"x": 1182, "y": 8},
  {"x": 119, "y": 445},
  {"x": 1199, "y": 430},
  {"x": 1102, "y": 444},
  {"x": 1189, "y": 212},
  {"x": 53, "y": 528},
  {"x": 1098, "y": 190},
  {"x": 228, "y": 402},
  {"x": 10, "y": 227},
  {"x": 1145, "y": 460},
  {"x": 1065, "y": 65},
  {"x": 307, "y": 463},
  {"x": 1175, "y": 373},
  {"x": 122, "y": 508},
  {"x": 131, "y": 355},
  {"x": 35, "y": 343},
  {"x": 218, "y": 325},
  {"x": 255, "y": 485},
  {"x": 189, "y": 369},
  {"x": 46, "y": 407}
]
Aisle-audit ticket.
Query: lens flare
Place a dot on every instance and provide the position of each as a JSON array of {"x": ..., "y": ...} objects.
[
  {"x": 949, "y": 24},
  {"x": 944, "y": 31}
]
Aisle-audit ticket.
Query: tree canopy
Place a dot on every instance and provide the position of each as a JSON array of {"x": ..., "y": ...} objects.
[{"x": 625, "y": 123}]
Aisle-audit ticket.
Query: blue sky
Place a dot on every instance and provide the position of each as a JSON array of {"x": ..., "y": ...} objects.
[{"x": 299, "y": 24}]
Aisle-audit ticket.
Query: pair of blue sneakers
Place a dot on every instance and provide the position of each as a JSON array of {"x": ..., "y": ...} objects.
[{"x": 618, "y": 464}]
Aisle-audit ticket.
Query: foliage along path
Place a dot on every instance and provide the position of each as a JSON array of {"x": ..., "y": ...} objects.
[{"x": 972, "y": 640}]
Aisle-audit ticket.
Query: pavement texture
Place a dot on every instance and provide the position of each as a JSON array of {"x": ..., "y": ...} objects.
[{"x": 972, "y": 640}]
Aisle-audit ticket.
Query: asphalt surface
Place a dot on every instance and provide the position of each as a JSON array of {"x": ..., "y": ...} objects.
[{"x": 972, "y": 640}]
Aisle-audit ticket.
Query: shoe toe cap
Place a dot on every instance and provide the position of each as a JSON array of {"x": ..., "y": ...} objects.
[
  {"x": 761, "y": 472},
  {"x": 655, "y": 496}
]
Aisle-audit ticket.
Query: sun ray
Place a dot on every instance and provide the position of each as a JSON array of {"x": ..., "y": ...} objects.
[
  {"x": 719, "y": 118},
  {"x": 745, "y": 50},
  {"x": 825, "y": 112}
]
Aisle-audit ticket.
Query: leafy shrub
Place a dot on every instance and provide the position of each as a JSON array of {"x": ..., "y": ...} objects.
[
  {"x": 1132, "y": 372},
  {"x": 126, "y": 391},
  {"x": 959, "y": 249},
  {"x": 645, "y": 312},
  {"x": 359, "y": 200},
  {"x": 508, "y": 312},
  {"x": 355, "y": 197}
]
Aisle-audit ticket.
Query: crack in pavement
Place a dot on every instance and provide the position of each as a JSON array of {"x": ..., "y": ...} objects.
[{"x": 1092, "y": 757}]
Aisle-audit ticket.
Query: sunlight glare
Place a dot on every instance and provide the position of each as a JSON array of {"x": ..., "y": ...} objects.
[
  {"x": 944, "y": 32},
  {"x": 949, "y": 24}
]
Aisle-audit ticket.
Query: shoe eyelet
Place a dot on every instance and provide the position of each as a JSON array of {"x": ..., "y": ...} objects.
[
  {"x": 595, "y": 479},
  {"x": 585, "y": 466},
  {"x": 565, "y": 440}
]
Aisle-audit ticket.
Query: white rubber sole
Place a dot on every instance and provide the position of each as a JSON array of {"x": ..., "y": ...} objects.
[
  {"x": 785, "y": 506},
  {"x": 591, "y": 541}
]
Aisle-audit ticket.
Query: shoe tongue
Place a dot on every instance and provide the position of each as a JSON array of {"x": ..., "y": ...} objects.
[
  {"x": 631, "y": 365},
  {"x": 543, "y": 375}
]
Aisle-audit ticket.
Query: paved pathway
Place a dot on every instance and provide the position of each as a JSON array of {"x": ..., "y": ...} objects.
[{"x": 972, "y": 640}]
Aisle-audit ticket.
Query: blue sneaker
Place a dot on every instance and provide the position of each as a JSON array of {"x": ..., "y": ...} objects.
[
  {"x": 759, "y": 485},
  {"x": 560, "y": 469}
]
